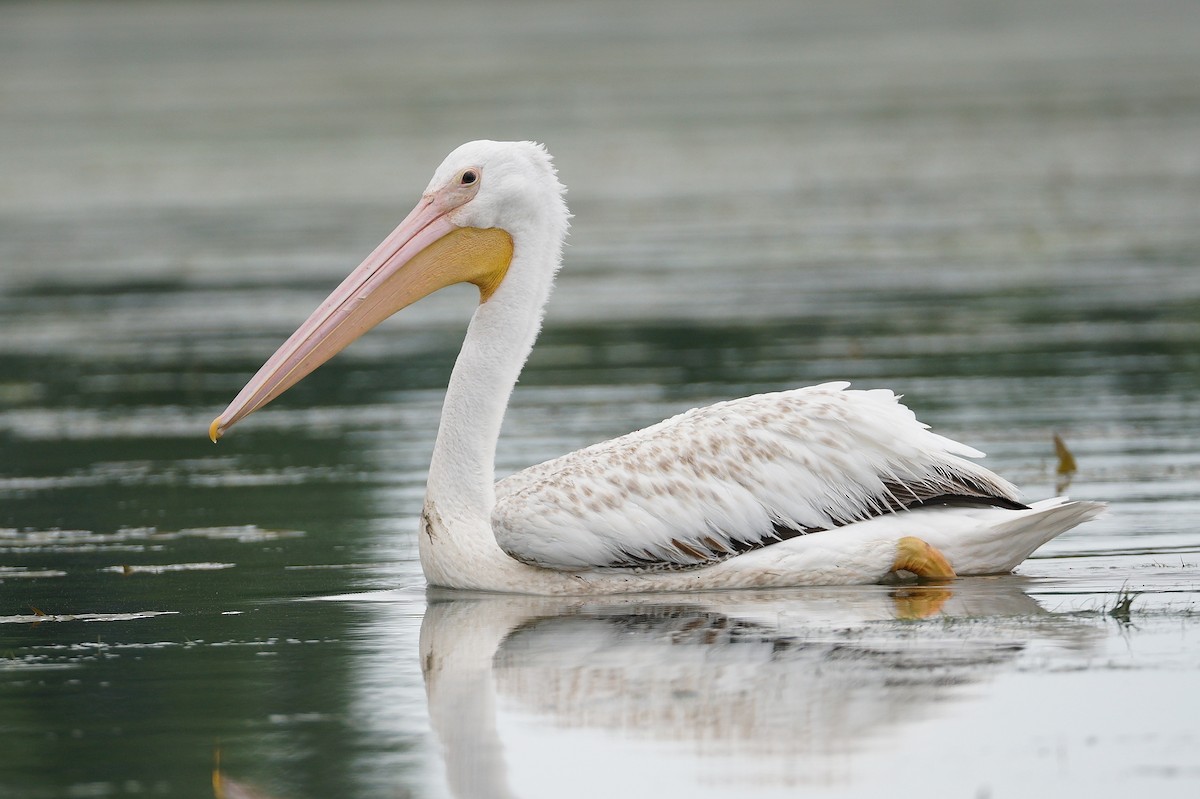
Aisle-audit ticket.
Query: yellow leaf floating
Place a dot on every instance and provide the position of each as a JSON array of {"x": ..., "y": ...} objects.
[
  {"x": 1066, "y": 461},
  {"x": 218, "y": 793},
  {"x": 227, "y": 788}
]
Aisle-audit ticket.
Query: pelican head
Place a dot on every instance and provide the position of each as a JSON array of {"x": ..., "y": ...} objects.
[{"x": 486, "y": 199}]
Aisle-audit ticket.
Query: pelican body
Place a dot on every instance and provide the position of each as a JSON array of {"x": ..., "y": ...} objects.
[{"x": 818, "y": 485}]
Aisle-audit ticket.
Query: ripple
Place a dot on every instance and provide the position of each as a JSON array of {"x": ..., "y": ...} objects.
[
  {"x": 221, "y": 473},
  {"x": 18, "y": 572},
  {"x": 40, "y": 618},
  {"x": 167, "y": 567},
  {"x": 128, "y": 539}
]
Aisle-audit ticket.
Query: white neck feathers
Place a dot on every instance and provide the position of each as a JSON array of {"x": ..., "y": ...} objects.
[{"x": 498, "y": 341}]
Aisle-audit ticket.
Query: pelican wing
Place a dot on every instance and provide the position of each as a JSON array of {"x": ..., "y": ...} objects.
[{"x": 718, "y": 481}]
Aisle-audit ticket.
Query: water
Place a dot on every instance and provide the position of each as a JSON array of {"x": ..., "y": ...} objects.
[{"x": 992, "y": 209}]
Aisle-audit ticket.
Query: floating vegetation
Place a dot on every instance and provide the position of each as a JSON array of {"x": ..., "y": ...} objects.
[
  {"x": 1066, "y": 461},
  {"x": 1124, "y": 603},
  {"x": 1066, "y": 467},
  {"x": 225, "y": 787}
]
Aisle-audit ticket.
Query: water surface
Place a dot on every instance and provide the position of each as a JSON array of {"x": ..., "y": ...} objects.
[{"x": 993, "y": 210}]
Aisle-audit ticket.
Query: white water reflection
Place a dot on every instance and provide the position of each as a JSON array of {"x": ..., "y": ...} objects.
[{"x": 712, "y": 694}]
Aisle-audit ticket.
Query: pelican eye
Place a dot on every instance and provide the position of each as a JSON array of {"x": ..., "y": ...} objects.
[{"x": 468, "y": 177}]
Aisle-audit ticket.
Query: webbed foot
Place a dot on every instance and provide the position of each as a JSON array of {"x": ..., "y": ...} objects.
[{"x": 922, "y": 559}]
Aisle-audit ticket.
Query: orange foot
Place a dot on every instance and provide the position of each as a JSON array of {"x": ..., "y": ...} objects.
[
  {"x": 919, "y": 601},
  {"x": 922, "y": 559}
]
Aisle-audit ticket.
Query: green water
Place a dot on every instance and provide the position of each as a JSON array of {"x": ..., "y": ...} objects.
[{"x": 994, "y": 210}]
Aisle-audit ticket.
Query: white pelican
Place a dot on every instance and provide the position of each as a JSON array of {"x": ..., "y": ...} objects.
[{"x": 818, "y": 485}]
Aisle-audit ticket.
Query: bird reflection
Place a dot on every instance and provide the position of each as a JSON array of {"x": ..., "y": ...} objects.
[{"x": 795, "y": 681}]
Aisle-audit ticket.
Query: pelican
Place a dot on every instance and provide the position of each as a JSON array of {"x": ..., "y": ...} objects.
[{"x": 813, "y": 486}]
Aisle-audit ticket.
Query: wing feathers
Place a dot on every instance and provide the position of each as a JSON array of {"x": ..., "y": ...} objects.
[{"x": 715, "y": 482}]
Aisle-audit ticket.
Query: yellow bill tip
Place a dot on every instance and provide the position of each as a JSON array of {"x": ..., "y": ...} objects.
[{"x": 214, "y": 429}]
